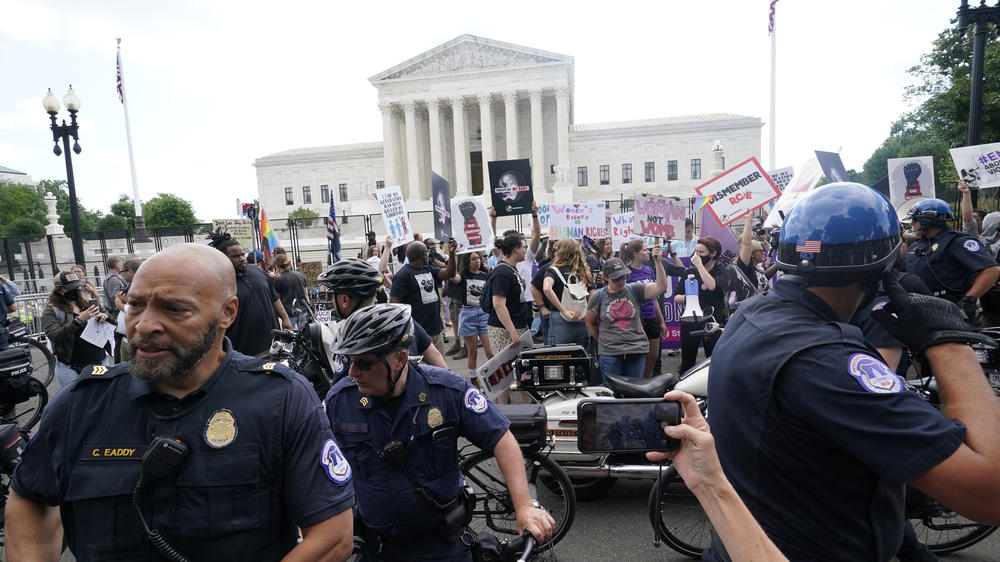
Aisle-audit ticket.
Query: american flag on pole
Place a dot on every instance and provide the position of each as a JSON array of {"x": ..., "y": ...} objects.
[
  {"x": 770, "y": 18},
  {"x": 121, "y": 92},
  {"x": 333, "y": 232},
  {"x": 808, "y": 247}
]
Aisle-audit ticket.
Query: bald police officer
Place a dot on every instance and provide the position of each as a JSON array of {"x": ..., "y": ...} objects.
[{"x": 261, "y": 461}]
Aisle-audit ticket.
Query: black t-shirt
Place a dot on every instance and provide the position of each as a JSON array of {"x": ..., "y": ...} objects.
[
  {"x": 509, "y": 284},
  {"x": 715, "y": 298},
  {"x": 537, "y": 282},
  {"x": 557, "y": 284},
  {"x": 417, "y": 287},
  {"x": 291, "y": 286},
  {"x": 250, "y": 333},
  {"x": 471, "y": 288}
]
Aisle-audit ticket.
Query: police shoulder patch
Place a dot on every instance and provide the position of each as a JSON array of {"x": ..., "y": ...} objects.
[
  {"x": 335, "y": 463},
  {"x": 475, "y": 401},
  {"x": 971, "y": 245},
  {"x": 873, "y": 375}
]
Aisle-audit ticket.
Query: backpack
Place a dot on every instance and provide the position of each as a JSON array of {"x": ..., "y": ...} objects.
[
  {"x": 574, "y": 295},
  {"x": 486, "y": 299}
]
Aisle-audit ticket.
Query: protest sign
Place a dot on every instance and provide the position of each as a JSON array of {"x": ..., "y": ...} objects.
[
  {"x": 497, "y": 374},
  {"x": 805, "y": 179},
  {"x": 574, "y": 220},
  {"x": 882, "y": 186},
  {"x": 978, "y": 165},
  {"x": 739, "y": 190},
  {"x": 397, "y": 223},
  {"x": 543, "y": 217},
  {"x": 833, "y": 166},
  {"x": 910, "y": 177},
  {"x": 239, "y": 229},
  {"x": 662, "y": 217},
  {"x": 472, "y": 231},
  {"x": 510, "y": 186},
  {"x": 441, "y": 192},
  {"x": 622, "y": 229},
  {"x": 782, "y": 176}
]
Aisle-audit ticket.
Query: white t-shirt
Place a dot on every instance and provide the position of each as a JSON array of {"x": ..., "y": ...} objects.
[{"x": 524, "y": 270}]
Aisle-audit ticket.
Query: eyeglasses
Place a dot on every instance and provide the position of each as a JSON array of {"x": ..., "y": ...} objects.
[{"x": 361, "y": 364}]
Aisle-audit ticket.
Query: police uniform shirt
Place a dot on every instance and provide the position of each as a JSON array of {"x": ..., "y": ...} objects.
[
  {"x": 956, "y": 259},
  {"x": 261, "y": 460},
  {"x": 435, "y": 399},
  {"x": 817, "y": 435}
]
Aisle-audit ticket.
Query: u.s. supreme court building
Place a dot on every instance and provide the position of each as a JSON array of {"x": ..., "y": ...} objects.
[{"x": 474, "y": 100}]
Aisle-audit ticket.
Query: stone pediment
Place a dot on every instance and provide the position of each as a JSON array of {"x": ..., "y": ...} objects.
[{"x": 469, "y": 54}]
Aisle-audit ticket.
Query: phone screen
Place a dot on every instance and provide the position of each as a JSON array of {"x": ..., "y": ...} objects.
[{"x": 626, "y": 425}]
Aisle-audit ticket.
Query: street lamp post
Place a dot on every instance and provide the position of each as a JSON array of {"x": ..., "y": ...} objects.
[
  {"x": 64, "y": 132},
  {"x": 979, "y": 15}
]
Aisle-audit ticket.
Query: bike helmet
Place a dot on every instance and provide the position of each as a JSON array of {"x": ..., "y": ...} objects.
[
  {"x": 353, "y": 277},
  {"x": 378, "y": 329},
  {"x": 839, "y": 234},
  {"x": 932, "y": 213}
]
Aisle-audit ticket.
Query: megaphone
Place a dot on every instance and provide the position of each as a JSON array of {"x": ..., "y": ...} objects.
[{"x": 692, "y": 308}]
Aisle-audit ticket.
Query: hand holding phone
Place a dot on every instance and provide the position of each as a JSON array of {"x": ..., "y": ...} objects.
[
  {"x": 626, "y": 425},
  {"x": 696, "y": 459}
]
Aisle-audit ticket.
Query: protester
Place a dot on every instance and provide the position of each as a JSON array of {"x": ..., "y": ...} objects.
[
  {"x": 684, "y": 248},
  {"x": 511, "y": 314},
  {"x": 416, "y": 284},
  {"x": 542, "y": 305},
  {"x": 290, "y": 285},
  {"x": 526, "y": 267},
  {"x": 751, "y": 261},
  {"x": 568, "y": 272},
  {"x": 88, "y": 290},
  {"x": 710, "y": 275},
  {"x": 614, "y": 319},
  {"x": 635, "y": 255},
  {"x": 65, "y": 316},
  {"x": 117, "y": 279},
  {"x": 472, "y": 321}
]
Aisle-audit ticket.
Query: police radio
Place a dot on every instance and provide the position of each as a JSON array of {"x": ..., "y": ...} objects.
[{"x": 162, "y": 457}]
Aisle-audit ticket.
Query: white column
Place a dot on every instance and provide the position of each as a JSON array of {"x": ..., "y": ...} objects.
[
  {"x": 537, "y": 141},
  {"x": 412, "y": 152},
  {"x": 462, "y": 179},
  {"x": 388, "y": 145},
  {"x": 562, "y": 125},
  {"x": 486, "y": 126},
  {"x": 510, "y": 119},
  {"x": 434, "y": 117}
]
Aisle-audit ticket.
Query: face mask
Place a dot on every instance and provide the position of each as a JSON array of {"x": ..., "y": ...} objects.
[{"x": 72, "y": 295}]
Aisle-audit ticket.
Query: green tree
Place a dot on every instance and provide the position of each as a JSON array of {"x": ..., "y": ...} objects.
[
  {"x": 304, "y": 215},
  {"x": 168, "y": 210},
  {"x": 113, "y": 222},
  {"x": 124, "y": 208},
  {"x": 19, "y": 202}
]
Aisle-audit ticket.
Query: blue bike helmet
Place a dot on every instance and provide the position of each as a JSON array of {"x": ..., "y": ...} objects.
[
  {"x": 839, "y": 234},
  {"x": 932, "y": 213}
]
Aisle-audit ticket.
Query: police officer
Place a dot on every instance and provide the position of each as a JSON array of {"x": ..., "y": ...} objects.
[
  {"x": 399, "y": 424},
  {"x": 954, "y": 265},
  {"x": 260, "y": 459},
  {"x": 816, "y": 433},
  {"x": 354, "y": 284}
]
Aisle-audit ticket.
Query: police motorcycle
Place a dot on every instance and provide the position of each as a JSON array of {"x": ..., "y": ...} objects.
[
  {"x": 560, "y": 376},
  {"x": 307, "y": 351}
]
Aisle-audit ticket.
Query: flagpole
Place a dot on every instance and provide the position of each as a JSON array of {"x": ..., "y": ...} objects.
[
  {"x": 140, "y": 223},
  {"x": 774, "y": 33}
]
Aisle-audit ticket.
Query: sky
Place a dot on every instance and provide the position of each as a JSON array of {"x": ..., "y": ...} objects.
[{"x": 213, "y": 85}]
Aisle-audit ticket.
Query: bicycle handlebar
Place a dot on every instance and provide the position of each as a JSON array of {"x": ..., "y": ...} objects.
[{"x": 529, "y": 546}]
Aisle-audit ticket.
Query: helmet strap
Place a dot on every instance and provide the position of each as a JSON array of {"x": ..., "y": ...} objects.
[{"x": 390, "y": 379}]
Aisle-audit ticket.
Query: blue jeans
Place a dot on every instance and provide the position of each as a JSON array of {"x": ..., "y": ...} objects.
[
  {"x": 544, "y": 325},
  {"x": 623, "y": 365},
  {"x": 564, "y": 332}
]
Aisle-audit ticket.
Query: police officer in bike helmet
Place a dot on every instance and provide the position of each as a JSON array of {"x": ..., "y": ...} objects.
[
  {"x": 398, "y": 424},
  {"x": 355, "y": 284},
  {"x": 954, "y": 265},
  {"x": 817, "y": 434}
]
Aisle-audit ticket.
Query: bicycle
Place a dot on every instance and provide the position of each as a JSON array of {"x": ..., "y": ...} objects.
[
  {"x": 43, "y": 361},
  {"x": 22, "y": 396}
]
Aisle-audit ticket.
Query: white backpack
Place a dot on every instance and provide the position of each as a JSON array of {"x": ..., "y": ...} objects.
[{"x": 574, "y": 295}]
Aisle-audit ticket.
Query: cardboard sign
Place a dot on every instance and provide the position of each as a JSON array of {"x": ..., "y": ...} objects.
[
  {"x": 441, "y": 192},
  {"x": 471, "y": 225},
  {"x": 909, "y": 178},
  {"x": 622, "y": 229},
  {"x": 397, "y": 223},
  {"x": 510, "y": 186},
  {"x": 978, "y": 165},
  {"x": 833, "y": 166},
  {"x": 662, "y": 217},
  {"x": 782, "y": 176},
  {"x": 497, "y": 374},
  {"x": 574, "y": 220},
  {"x": 738, "y": 191},
  {"x": 240, "y": 229}
]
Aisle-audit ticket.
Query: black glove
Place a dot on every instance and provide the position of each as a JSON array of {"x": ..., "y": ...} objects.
[
  {"x": 969, "y": 306},
  {"x": 922, "y": 321}
]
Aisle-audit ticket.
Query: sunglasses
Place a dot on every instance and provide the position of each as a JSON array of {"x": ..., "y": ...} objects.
[{"x": 361, "y": 364}]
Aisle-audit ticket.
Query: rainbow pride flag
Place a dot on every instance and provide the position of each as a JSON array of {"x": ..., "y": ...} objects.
[
  {"x": 700, "y": 203},
  {"x": 268, "y": 240}
]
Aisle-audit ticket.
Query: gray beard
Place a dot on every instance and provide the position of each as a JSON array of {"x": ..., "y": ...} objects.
[{"x": 149, "y": 371}]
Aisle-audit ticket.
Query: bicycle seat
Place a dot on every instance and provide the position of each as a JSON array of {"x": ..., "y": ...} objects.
[
  {"x": 628, "y": 387},
  {"x": 14, "y": 355}
]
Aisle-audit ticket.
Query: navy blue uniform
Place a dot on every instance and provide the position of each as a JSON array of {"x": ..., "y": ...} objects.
[
  {"x": 261, "y": 461},
  {"x": 434, "y": 399},
  {"x": 948, "y": 262},
  {"x": 816, "y": 434}
]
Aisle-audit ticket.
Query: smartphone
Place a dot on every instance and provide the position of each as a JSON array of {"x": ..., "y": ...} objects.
[{"x": 626, "y": 425}]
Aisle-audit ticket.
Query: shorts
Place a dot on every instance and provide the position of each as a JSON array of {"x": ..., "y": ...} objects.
[
  {"x": 454, "y": 309},
  {"x": 651, "y": 326},
  {"x": 472, "y": 321},
  {"x": 499, "y": 338}
]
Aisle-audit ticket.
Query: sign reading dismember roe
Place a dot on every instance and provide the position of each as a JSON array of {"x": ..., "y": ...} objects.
[{"x": 740, "y": 190}]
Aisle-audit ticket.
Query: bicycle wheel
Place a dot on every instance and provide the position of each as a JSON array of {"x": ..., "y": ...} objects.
[
  {"x": 27, "y": 414},
  {"x": 678, "y": 518},
  {"x": 942, "y": 530},
  {"x": 43, "y": 362},
  {"x": 494, "y": 511}
]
